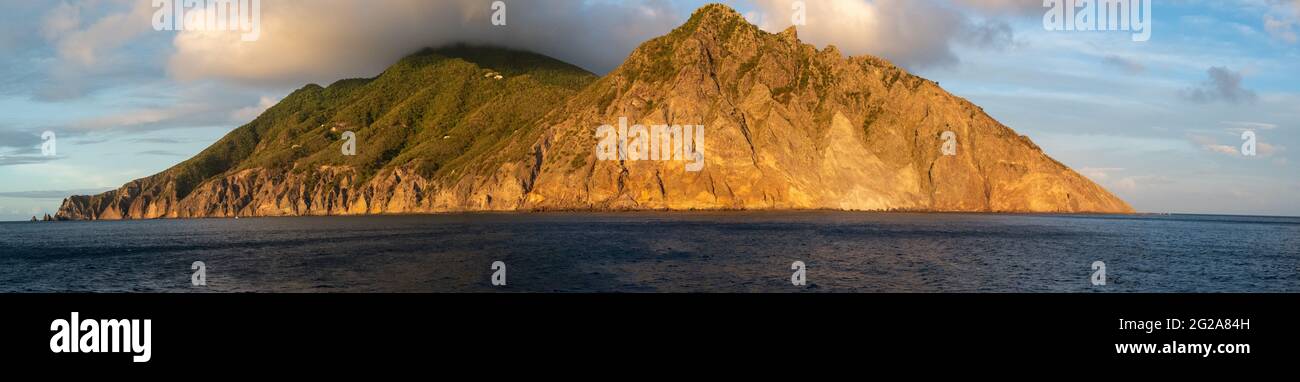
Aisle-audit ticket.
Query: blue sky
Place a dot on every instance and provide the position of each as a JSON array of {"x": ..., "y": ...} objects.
[{"x": 1156, "y": 122}]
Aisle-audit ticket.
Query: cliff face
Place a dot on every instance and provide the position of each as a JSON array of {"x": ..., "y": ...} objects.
[{"x": 786, "y": 126}]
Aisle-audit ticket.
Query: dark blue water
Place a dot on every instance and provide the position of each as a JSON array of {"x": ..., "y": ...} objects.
[{"x": 659, "y": 252}]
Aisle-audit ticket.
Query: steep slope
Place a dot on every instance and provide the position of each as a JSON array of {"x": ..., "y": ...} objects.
[
  {"x": 791, "y": 127},
  {"x": 426, "y": 117},
  {"x": 786, "y": 126}
]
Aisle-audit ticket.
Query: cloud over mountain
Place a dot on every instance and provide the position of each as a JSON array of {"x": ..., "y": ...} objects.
[
  {"x": 324, "y": 40},
  {"x": 912, "y": 33}
]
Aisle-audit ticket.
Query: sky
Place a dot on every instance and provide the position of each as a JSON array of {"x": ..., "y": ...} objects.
[{"x": 1158, "y": 122}]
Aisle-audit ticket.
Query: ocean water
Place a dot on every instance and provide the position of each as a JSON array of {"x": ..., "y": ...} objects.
[{"x": 658, "y": 252}]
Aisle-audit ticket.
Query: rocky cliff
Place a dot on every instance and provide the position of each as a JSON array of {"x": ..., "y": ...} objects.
[{"x": 785, "y": 126}]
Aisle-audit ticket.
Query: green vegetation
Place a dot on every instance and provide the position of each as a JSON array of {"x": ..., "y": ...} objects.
[{"x": 437, "y": 109}]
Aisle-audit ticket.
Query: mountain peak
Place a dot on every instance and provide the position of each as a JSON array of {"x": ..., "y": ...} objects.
[
  {"x": 488, "y": 129},
  {"x": 714, "y": 17},
  {"x": 714, "y": 11}
]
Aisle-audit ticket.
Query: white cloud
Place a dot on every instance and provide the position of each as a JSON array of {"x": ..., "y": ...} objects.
[
  {"x": 1240, "y": 126},
  {"x": 325, "y": 40},
  {"x": 912, "y": 33},
  {"x": 1283, "y": 20},
  {"x": 1210, "y": 144},
  {"x": 210, "y": 104},
  {"x": 84, "y": 45},
  {"x": 1281, "y": 28},
  {"x": 61, "y": 20},
  {"x": 1268, "y": 149},
  {"x": 1019, "y": 7},
  {"x": 1128, "y": 184},
  {"x": 1264, "y": 149},
  {"x": 1132, "y": 184},
  {"x": 92, "y": 44},
  {"x": 1099, "y": 174},
  {"x": 248, "y": 113}
]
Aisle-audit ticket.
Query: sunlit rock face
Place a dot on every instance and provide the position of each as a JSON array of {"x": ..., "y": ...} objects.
[{"x": 785, "y": 126}]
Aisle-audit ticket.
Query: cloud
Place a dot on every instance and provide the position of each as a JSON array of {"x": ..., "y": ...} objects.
[
  {"x": 62, "y": 20},
  {"x": 1268, "y": 149},
  {"x": 1129, "y": 66},
  {"x": 91, "y": 42},
  {"x": 210, "y": 104},
  {"x": 988, "y": 34},
  {"x": 16, "y": 160},
  {"x": 19, "y": 140},
  {"x": 52, "y": 194},
  {"x": 1209, "y": 144},
  {"x": 84, "y": 45},
  {"x": 181, "y": 115},
  {"x": 132, "y": 118},
  {"x": 1099, "y": 174},
  {"x": 22, "y": 147},
  {"x": 1240, "y": 126},
  {"x": 1283, "y": 20},
  {"x": 248, "y": 113},
  {"x": 1263, "y": 149},
  {"x": 1127, "y": 184},
  {"x": 1282, "y": 29},
  {"x": 1132, "y": 184},
  {"x": 1012, "y": 7},
  {"x": 322, "y": 41},
  {"x": 160, "y": 140},
  {"x": 1223, "y": 84},
  {"x": 163, "y": 153},
  {"x": 912, "y": 33}
]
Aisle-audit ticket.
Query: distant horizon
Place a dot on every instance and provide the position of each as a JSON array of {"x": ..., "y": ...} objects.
[{"x": 1139, "y": 213}]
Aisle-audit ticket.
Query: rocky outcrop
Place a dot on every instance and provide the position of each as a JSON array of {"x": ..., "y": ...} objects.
[{"x": 786, "y": 126}]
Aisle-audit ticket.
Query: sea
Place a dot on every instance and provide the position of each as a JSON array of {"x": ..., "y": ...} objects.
[{"x": 675, "y": 252}]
